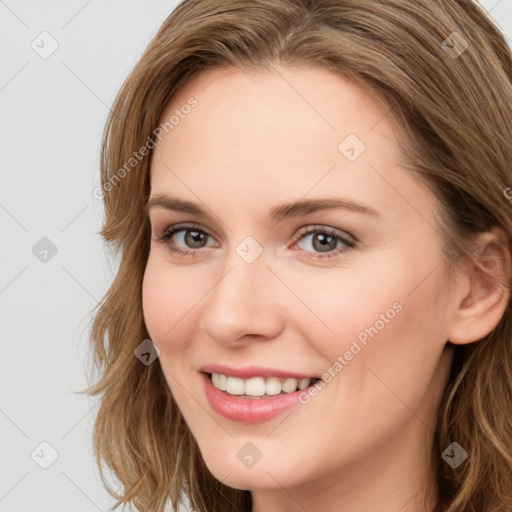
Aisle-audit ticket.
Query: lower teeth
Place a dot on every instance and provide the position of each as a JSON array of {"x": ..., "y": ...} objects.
[
  {"x": 244, "y": 396},
  {"x": 253, "y": 397}
]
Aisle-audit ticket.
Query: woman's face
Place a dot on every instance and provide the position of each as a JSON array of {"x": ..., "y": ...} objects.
[{"x": 354, "y": 295}]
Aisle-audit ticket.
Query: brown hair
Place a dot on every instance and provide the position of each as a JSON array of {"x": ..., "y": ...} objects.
[{"x": 454, "y": 116}]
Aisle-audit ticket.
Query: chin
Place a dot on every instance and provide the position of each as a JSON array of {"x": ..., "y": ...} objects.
[
  {"x": 249, "y": 479},
  {"x": 269, "y": 474}
]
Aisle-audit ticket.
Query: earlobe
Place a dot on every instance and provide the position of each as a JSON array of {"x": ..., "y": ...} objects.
[{"x": 486, "y": 294}]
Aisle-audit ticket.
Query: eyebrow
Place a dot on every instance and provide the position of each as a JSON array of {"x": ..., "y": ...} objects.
[{"x": 276, "y": 214}]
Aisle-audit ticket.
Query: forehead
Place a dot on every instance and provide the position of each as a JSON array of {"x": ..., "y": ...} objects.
[
  {"x": 261, "y": 134},
  {"x": 280, "y": 106}
]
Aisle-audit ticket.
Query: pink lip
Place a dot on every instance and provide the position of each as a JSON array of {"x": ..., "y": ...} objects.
[
  {"x": 247, "y": 410},
  {"x": 253, "y": 371}
]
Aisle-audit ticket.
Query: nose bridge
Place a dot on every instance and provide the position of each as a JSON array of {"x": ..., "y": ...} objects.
[
  {"x": 245, "y": 268},
  {"x": 240, "y": 302}
]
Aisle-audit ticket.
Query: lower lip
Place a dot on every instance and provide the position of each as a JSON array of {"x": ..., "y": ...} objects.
[{"x": 247, "y": 410}]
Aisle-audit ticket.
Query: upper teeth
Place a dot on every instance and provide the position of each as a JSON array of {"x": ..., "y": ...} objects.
[{"x": 258, "y": 386}]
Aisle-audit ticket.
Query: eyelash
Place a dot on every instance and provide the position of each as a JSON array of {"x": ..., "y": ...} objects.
[{"x": 167, "y": 233}]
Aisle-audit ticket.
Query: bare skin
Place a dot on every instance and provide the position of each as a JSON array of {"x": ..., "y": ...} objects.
[{"x": 254, "y": 141}]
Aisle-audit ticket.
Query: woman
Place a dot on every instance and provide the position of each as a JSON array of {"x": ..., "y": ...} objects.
[{"x": 312, "y": 306}]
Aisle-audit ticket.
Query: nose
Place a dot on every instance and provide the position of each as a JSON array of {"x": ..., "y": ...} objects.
[{"x": 245, "y": 303}]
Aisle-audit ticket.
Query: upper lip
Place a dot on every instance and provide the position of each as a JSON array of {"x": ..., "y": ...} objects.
[{"x": 248, "y": 372}]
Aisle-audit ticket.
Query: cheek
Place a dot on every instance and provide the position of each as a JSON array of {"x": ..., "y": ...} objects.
[
  {"x": 390, "y": 318},
  {"x": 348, "y": 306},
  {"x": 398, "y": 363},
  {"x": 167, "y": 300}
]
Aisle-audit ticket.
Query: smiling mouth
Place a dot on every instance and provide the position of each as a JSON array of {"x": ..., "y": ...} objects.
[{"x": 259, "y": 387}]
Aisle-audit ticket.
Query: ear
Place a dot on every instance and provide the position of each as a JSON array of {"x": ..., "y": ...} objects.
[{"x": 483, "y": 299}]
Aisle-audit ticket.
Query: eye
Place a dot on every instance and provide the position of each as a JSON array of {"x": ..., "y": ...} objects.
[
  {"x": 326, "y": 241},
  {"x": 191, "y": 236}
]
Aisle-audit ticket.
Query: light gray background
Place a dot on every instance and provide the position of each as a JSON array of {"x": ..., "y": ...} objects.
[{"x": 52, "y": 115}]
